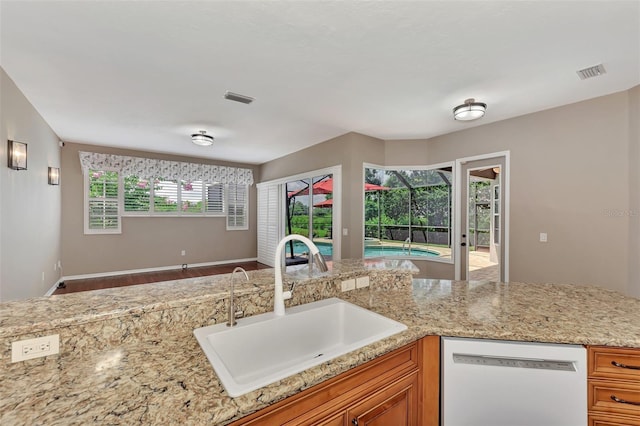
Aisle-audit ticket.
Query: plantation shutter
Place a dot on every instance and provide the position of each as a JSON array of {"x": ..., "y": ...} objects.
[
  {"x": 237, "y": 202},
  {"x": 215, "y": 198},
  {"x": 268, "y": 223},
  {"x": 137, "y": 194},
  {"x": 102, "y": 215}
]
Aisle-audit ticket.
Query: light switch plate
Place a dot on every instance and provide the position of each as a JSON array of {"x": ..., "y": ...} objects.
[{"x": 543, "y": 237}]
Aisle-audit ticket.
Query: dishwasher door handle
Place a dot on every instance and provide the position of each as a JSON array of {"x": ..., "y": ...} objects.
[{"x": 514, "y": 362}]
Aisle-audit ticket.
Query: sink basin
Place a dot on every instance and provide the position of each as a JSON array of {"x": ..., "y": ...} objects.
[{"x": 265, "y": 348}]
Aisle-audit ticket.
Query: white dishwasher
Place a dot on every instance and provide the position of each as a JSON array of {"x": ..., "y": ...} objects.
[{"x": 504, "y": 383}]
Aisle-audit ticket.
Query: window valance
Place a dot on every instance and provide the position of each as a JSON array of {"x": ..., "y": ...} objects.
[{"x": 149, "y": 168}]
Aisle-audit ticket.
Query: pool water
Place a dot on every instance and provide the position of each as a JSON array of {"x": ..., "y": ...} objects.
[{"x": 326, "y": 249}]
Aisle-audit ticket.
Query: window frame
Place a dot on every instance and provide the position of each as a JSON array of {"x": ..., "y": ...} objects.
[
  {"x": 121, "y": 213},
  {"x": 451, "y": 164},
  {"x": 87, "y": 200}
]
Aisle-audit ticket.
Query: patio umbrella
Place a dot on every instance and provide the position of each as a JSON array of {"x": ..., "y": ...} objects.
[
  {"x": 326, "y": 203},
  {"x": 326, "y": 187}
]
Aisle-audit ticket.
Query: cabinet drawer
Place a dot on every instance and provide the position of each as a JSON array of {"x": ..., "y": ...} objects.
[
  {"x": 616, "y": 363},
  {"x": 610, "y": 420},
  {"x": 614, "y": 397}
]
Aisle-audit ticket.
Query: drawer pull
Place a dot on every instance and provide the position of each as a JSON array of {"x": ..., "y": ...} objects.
[
  {"x": 631, "y": 367},
  {"x": 623, "y": 401}
]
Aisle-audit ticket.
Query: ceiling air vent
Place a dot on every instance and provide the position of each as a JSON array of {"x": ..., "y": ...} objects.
[
  {"x": 594, "y": 71},
  {"x": 238, "y": 98}
]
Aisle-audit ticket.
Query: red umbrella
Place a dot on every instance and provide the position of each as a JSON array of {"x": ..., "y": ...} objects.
[
  {"x": 325, "y": 203},
  {"x": 374, "y": 187},
  {"x": 326, "y": 187}
]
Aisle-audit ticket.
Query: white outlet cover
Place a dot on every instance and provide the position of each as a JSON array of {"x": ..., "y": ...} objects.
[
  {"x": 348, "y": 285},
  {"x": 22, "y": 350},
  {"x": 543, "y": 237},
  {"x": 362, "y": 282}
]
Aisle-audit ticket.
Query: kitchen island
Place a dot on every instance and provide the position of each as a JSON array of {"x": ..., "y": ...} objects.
[{"x": 128, "y": 356}]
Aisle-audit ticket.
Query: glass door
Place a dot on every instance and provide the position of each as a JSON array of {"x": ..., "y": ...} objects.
[
  {"x": 309, "y": 212},
  {"x": 481, "y": 248}
]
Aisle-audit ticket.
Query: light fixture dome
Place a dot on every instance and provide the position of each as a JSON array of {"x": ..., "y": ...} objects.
[
  {"x": 470, "y": 110},
  {"x": 202, "y": 138}
]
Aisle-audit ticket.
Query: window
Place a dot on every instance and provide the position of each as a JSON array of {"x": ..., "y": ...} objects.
[
  {"x": 110, "y": 196},
  {"x": 162, "y": 197},
  {"x": 408, "y": 212},
  {"x": 102, "y": 200},
  {"x": 237, "y": 202},
  {"x": 214, "y": 198},
  {"x": 137, "y": 194}
]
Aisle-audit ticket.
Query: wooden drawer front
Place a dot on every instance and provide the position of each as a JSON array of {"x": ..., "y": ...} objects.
[
  {"x": 329, "y": 397},
  {"x": 608, "y": 420},
  {"x": 602, "y": 394},
  {"x": 617, "y": 363}
]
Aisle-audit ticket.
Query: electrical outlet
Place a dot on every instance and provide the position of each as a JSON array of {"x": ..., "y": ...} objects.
[
  {"x": 543, "y": 237},
  {"x": 183, "y": 252},
  {"x": 348, "y": 285},
  {"x": 35, "y": 348},
  {"x": 362, "y": 282}
]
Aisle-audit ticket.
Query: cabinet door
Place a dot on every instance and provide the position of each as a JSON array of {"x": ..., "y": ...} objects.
[
  {"x": 610, "y": 420},
  {"x": 394, "y": 405}
]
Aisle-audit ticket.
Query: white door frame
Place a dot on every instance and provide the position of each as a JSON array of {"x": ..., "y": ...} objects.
[
  {"x": 458, "y": 225},
  {"x": 336, "y": 171}
]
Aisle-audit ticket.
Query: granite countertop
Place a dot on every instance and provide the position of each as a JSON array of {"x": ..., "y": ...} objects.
[{"x": 170, "y": 381}]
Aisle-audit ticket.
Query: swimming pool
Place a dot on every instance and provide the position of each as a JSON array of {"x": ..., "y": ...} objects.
[{"x": 326, "y": 249}]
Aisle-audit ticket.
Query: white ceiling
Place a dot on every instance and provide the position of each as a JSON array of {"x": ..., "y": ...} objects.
[{"x": 147, "y": 74}]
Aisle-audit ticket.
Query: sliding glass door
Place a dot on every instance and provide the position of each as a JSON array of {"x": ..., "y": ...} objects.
[{"x": 309, "y": 212}]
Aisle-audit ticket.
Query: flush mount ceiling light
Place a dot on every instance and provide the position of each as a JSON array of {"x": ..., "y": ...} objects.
[
  {"x": 470, "y": 110},
  {"x": 202, "y": 138}
]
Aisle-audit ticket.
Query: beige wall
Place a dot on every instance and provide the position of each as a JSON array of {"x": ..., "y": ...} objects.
[
  {"x": 146, "y": 242},
  {"x": 634, "y": 192},
  {"x": 571, "y": 177},
  {"x": 29, "y": 206},
  {"x": 350, "y": 151}
]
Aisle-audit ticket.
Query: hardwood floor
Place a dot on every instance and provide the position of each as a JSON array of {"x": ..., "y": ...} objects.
[{"x": 73, "y": 286}]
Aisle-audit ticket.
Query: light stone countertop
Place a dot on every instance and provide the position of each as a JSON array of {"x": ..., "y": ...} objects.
[{"x": 148, "y": 380}]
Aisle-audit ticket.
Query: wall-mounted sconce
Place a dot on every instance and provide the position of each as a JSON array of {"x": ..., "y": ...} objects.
[
  {"x": 17, "y": 155},
  {"x": 54, "y": 176}
]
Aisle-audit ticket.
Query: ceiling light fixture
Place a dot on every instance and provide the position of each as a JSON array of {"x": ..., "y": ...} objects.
[
  {"x": 470, "y": 110},
  {"x": 202, "y": 138}
]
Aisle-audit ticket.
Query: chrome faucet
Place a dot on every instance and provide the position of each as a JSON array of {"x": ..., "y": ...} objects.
[
  {"x": 231, "y": 319},
  {"x": 280, "y": 296}
]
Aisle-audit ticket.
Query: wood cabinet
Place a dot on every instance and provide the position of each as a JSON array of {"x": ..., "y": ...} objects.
[
  {"x": 613, "y": 386},
  {"x": 399, "y": 388}
]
